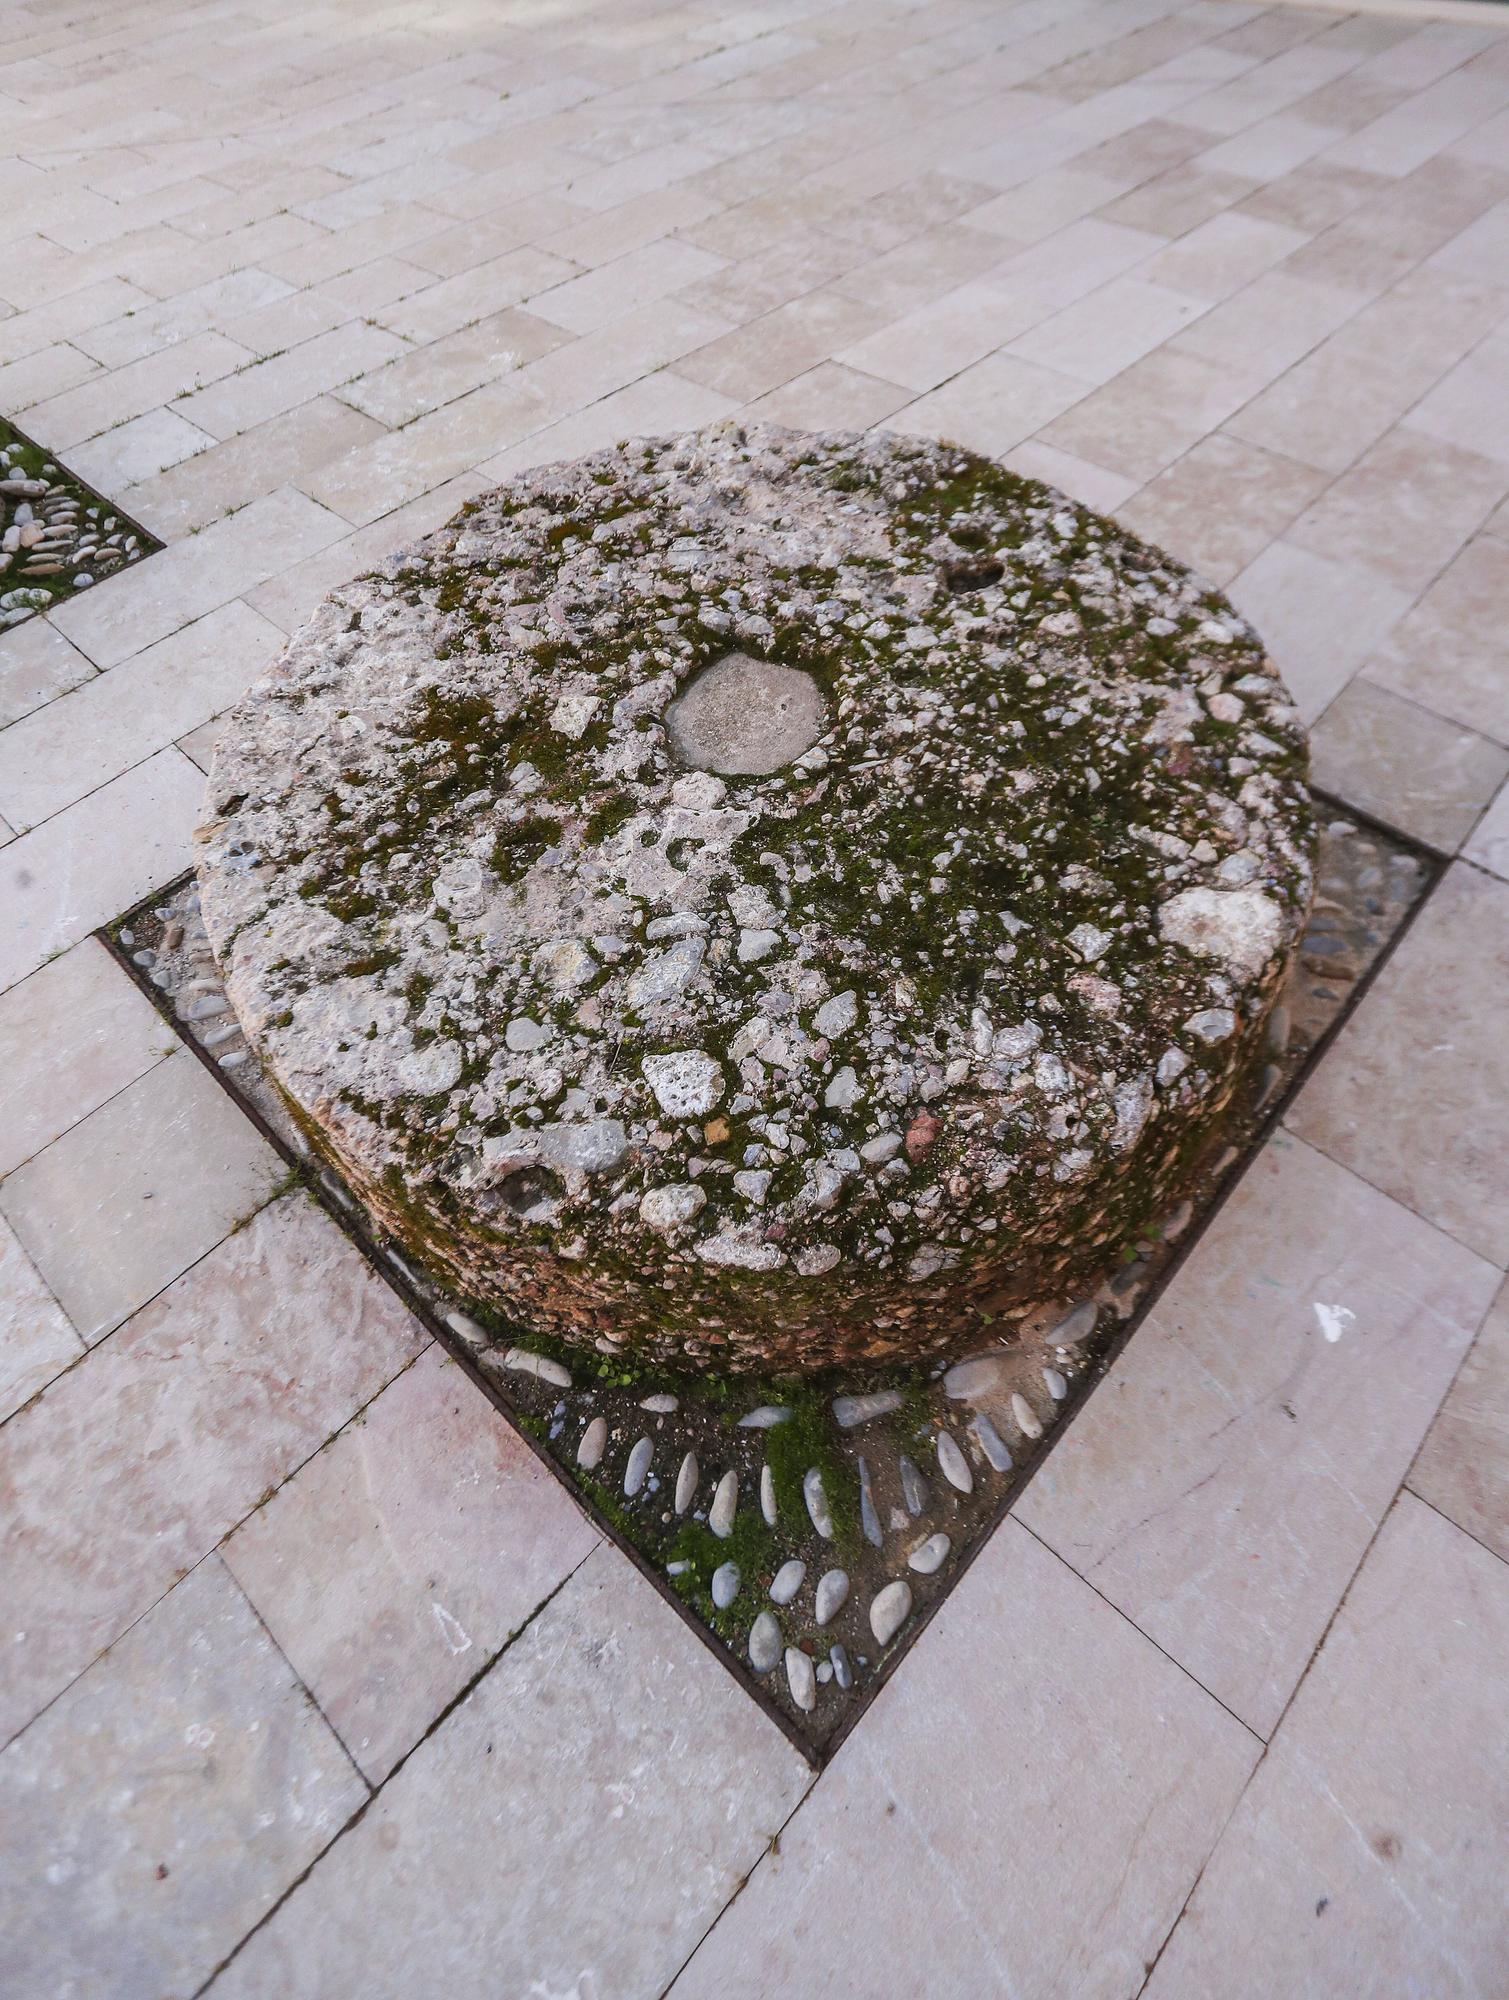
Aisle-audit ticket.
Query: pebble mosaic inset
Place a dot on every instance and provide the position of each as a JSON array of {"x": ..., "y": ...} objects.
[
  {"x": 808, "y": 1528},
  {"x": 57, "y": 536}
]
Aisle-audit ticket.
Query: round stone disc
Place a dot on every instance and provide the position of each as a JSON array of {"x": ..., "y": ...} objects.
[{"x": 783, "y": 898}]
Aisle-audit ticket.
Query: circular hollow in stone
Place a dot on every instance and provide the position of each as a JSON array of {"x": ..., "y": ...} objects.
[
  {"x": 745, "y": 718},
  {"x": 908, "y": 1014}
]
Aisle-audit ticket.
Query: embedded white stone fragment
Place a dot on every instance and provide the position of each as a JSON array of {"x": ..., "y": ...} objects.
[
  {"x": 1213, "y": 1024},
  {"x": 1241, "y": 927},
  {"x": 573, "y": 712},
  {"x": 849, "y": 1411},
  {"x": 837, "y": 1016},
  {"x": 687, "y": 1084},
  {"x": 668, "y": 1208},
  {"x": 742, "y": 1246},
  {"x": 1089, "y": 942},
  {"x": 667, "y": 974}
]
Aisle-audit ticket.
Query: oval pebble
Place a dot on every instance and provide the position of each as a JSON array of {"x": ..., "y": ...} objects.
[
  {"x": 801, "y": 1680},
  {"x": 764, "y": 1642},
  {"x": 889, "y": 1610},
  {"x": 953, "y": 1464},
  {"x": 765, "y": 1418},
  {"x": 991, "y": 1442},
  {"x": 975, "y": 1377},
  {"x": 913, "y": 1487},
  {"x": 589, "y": 1453},
  {"x": 725, "y": 1585},
  {"x": 660, "y": 1406},
  {"x": 1026, "y": 1418},
  {"x": 1077, "y": 1325},
  {"x": 720, "y": 1516},
  {"x": 832, "y": 1589},
  {"x": 638, "y": 1468},
  {"x": 869, "y": 1520},
  {"x": 848, "y": 1411},
  {"x": 929, "y": 1555},
  {"x": 1056, "y": 1383},
  {"x": 787, "y": 1581},
  {"x": 540, "y": 1366},
  {"x": 767, "y": 1495},
  {"x": 840, "y": 1663},
  {"x": 686, "y": 1482},
  {"x": 817, "y": 1502}
]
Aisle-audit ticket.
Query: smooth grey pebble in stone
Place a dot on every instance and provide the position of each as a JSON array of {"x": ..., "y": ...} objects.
[
  {"x": 953, "y": 1464},
  {"x": 638, "y": 1468},
  {"x": 1027, "y": 1421},
  {"x": 1056, "y": 1383},
  {"x": 589, "y": 1452},
  {"x": 929, "y": 1555},
  {"x": 765, "y": 1418},
  {"x": 869, "y": 1520},
  {"x": 849, "y": 1411},
  {"x": 828, "y": 1598},
  {"x": 890, "y": 1610},
  {"x": 686, "y": 1482},
  {"x": 824, "y": 1672},
  {"x": 913, "y": 1487},
  {"x": 1076, "y": 1326},
  {"x": 817, "y": 1502},
  {"x": 764, "y": 1642},
  {"x": 787, "y": 1581},
  {"x": 991, "y": 1443},
  {"x": 725, "y": 1585},
  {"x": 767, "y": 1495},
  {"x": 539, "y": 1365},
  {"x": 659, "y": 1405},
  {"x": 720, "y": 1516},
  {"x": 801, "y": 1679},
  {"x": 841, "y": 1670}
]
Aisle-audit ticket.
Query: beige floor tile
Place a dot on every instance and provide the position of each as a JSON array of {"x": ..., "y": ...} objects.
[
  {"x": 922, "y": 268},
  {"x": 133, "y": 1194},
  {"x": 162, "y": 1806},
  {"x": 1415, "y": 1091},
  {"x": 1463, "y": 1466},
  {"x": 1312, "y": 196},
  {"x": 1468, "y": 407},
  {"x": 1175, "y": 202},
  {"x": 137, "y": 450},
  {"x": 110, "y": 398},
  {"x": 1267, "y": 326},
  {"x": 1445, "y": 654},
  {"x": 199, "y": 744},
  {"x": 1405, "y": 508},
  {"x": 769, "y": 351},
  {"x": 43, "y": 377},
  {"x": 1222, "y": 255},
  {"x": 395, "y": 1563},
  {"x": 68, "y": 316},
  {"x": 1223, "y": 1482},
  {"x": 57, "y": 754},
  {"x": 127, "y": 612},
  {"x": 475, "y": 294},
  {"x": 1321, "y": 619},
  {"x": 1405, "y": 766},
  {"x": 1032, "y": 1738},
  {"x": 209, "y": 308},
  {"x": 94, "y": 860},
  {"x": 228, "y": 476},
  {"x": 1367, "y": 1856},
  {"x": 37, "y": 664},
  {"x": 126, "y": 1472},
  {"x": 1097, "y": 337},
  {"x": 36, "y": 1340},
  {"x": 1041, "y": 207},
  {"x": 427, "y": 377},
  {"x": 831, "y": 397},
  {"x": 993, "y": 406},
  {"x": 1090, "y": 485},
  {"x": 1150, "y": 414},
  {"x": 1489, "y": 845},
  {"x": 285, "y": 381},
  {"x": 1221, "y": 504},
  {"x": 71, "y": 1036},
  {"x": 582, "y": 304},
  {"x": 575, "y": 1824},
  {"x": 653, "y": 407}
]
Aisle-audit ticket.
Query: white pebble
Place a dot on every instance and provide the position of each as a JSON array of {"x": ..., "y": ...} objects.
[
  {"x": 828, "y": 1599},
  {"x": 953, "y": 1464},
  {"x": 1026, "y": 1418},
  {"x": 890, "y": 1610},
  {"x": 929, "y": 1555},
  {"x": 720, "y": 1516},
  {"x": 787, "y": 1581},
  {"x": 725, "y": 1585},
  {"x": 764, "y": 1642},
  {"x": 686, "y": 1482},
  {"x": 638, "y": 1468},
  {"x": 589, "y": 1452},
  {"x": 801, "y": 1679},
  {"x": 539, "y": 1365}
]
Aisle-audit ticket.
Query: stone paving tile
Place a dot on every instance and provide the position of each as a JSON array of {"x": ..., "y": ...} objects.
[
  {"x": 37, "y": 664},
  {"x": 1415, "y": 1090},
  {"x": 575, "y": 1825},
  {"x": 400, "y": 1558},
  {"x": 1098, "y": 336},
  {"x": 164, "y": 1803},
  {"x": 1032, "y": 1737},
  {"x": 1463, "y": 1466},
  {"x": 172, "y": 1139},
  {"x": 993, "y": 406},
  {"x": 71, "y": 1036},
  {"x": 269, "y": 388},
  {"x": 108, "y": 399},
  {"x": 1489, "y": 845},
  {"x": 1150, "y": 415},
  {"x": 1405, "y": 766},
  {"x": 1321, "y": 618},
  {"x": 79, "y": 742},
  {"x": 1221, "y": 505},
  {"x": 136, "y": 450},
  {"x": 98, "y": 858},
  {"x": 831, "y": 397},
  {"x": 1445, "y": 653},
  {"x": 425, "y": 378},
  {"x": 1367, "y": 1856},
  {"x": 36, "y": 1339},
  {"x": 127, "y": 1471},
  {"x": 1298, "y": 1358}
]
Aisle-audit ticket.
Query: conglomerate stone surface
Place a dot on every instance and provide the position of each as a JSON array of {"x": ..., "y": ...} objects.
[{"x": 776, "y": 897}]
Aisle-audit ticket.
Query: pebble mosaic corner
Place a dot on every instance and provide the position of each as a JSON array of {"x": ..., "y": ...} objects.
[{"x": 57, "y": 535}]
